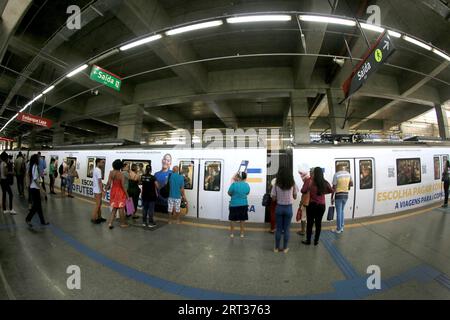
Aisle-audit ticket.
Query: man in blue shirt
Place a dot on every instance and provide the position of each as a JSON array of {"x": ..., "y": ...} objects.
[
  {"x": 176, "y": 193},
  {"x": 161, "y": 177}
]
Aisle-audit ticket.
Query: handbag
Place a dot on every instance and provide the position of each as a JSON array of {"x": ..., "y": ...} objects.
[
  {"x": 330, "y": 215},
  {"x": 129, "y": 206},
  {"x": 267, "y": 200},
  {"x": 184, "y": 209},
  {"x": 305, "y": 199},
  {"x": 299, "y": 214}
]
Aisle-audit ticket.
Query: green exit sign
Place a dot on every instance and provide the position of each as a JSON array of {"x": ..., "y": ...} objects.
[{"x": 107, "y": 78}]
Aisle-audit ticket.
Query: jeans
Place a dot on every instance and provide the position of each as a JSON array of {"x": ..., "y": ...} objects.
[
  {"x": 6, "y": 188},
  {"x": 314, "y": 213},
  {"x": 20, "y": 184},
  {"x": 69, "y": 181},
  {"x": 148, "y": 210},
  {"x": 283, "y": 222},
  {"x": 52, "y": 183},
  {"x": 340, "y": 202},
  {"x": 36, "y": 206}
]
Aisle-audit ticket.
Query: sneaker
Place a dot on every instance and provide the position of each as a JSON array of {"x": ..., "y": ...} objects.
[
  {"x": 29, "y": 223},
  {"x": 13, "y": 212},
  {"x": 144, "y": 225},
  {"x": 306, "y": 242},
  {"x": 276, "y": 250},
  {"x": 152, "y": 225},
  {"x": 336, "y": 231},
  {"x": 231, "y": 235},
  {"x": 102, "y": 219},
  {"x": 6, "y": 211},
  {"x": 316, "y": 243},
  {"x": 242, "y": 235}
]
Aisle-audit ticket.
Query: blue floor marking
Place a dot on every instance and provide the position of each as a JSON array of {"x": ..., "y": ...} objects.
[{"x": 354, "y": 287}]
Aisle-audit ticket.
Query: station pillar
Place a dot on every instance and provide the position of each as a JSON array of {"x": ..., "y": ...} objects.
[
  {"x": 300, "y": 117},
  {"x": 130, "y": 123},
  {"x": 19, "y": 142},
  {"x": 442, "y": 120},
  {"x": 58, "y": 136},
  {"x": 337, "y": 112}
]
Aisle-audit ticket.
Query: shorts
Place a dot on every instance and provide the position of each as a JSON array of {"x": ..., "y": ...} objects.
[
  {"x": 238, "y": 213},
  {"x": 171, "y": 203}
]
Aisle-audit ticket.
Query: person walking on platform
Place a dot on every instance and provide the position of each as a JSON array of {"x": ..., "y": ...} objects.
[
  {"x": 51, "y": 174},
  {"x": 99, "y": 193},
  {"x": 176, "y": 194},
  {"x": 284, "y": 193},
  {"x": 149, "y": 196},
  {"x": 118, "y": 194},
  {"x": 446, "y": 181},
  {"x": 317, "y": 187},
  {"x": 35, "y": 179},
  {"x": 133, "y": 188},
  {"x": 6, "y": 187},
  {"x": 42, "y": 167},
  {"x": 238, "y": 191},
  {"x": 20, "y": 171},
  {"x": 71, "y": 175},
  {"x": 342, "y": 182}
]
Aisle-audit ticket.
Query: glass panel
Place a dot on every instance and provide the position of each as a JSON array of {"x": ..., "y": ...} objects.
[
  {"x": 437, "y": 166},
  {"x": 91, "y": 166},
  {"x": 365, "y": 174},
  {"x": 212, "y": 176},
  {"x": 140, "y": 165},
  {"x": 342, "y": 165},
  {"x": 408, "y": 171},
  {"x": 187, "y": 171}
]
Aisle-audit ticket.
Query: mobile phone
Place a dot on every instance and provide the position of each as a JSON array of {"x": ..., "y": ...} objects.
[{"x": 243, "y": 166}]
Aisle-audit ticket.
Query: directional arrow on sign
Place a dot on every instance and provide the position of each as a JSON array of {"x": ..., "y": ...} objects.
[{"x": 386, "y": 45}]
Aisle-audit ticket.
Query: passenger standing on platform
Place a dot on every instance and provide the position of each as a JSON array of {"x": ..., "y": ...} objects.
[
  {"x": 118, "y": 194},
  {"x": 71, "y": 175},
  {"x": 304, "y": 175},
  {"x": 284, "y": 193},
  {"x": 133, "y": 188},
  {"x": 35, "y": 178},
  {"x": 446, "y": 180},
  {"x": 63, "y": 176},
  {"x": 161, "y": 177},
  {"x": 20, "y": 171},
  {"x": 6, "y": 188},
  {"x": 99, "y": 193},
  {"x": 42, "y": 167},
  {"x": 149, "y": 196},
  {"x": 176, "y": 194},
  {"x": 273, "y": 206},
  {"x": 317, "y": 187},
  {"x": 126, "y": 176},
  {"x": 51, "y": 174},
  {"x": 10, "y": 165},
  {"x": 342, "y": 182},
  {"x": 238, "y": 191}
]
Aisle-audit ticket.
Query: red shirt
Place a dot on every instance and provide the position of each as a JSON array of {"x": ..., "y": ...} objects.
[{"x": 310, "y": 186}]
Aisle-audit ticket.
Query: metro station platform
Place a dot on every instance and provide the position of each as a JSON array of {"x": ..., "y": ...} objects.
[{"x": 198, "y": 260}]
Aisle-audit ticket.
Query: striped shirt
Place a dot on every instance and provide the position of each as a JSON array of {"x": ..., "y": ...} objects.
[
  {"x": 341, "y": 181},
  {"x": 284, "y": 197}
]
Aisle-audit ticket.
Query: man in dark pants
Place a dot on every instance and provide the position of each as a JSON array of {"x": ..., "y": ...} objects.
[
  {"x": 446, "y": 180},
  {"x": 19, "y": 170}
]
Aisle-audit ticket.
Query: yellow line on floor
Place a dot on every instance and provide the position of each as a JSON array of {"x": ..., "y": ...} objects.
[{"x": 260, "y": 229}]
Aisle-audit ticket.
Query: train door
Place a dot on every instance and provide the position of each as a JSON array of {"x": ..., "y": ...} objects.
[
  {"x": 349, "y": 166},
  {"x": 210, "y": 190},
  {"x": 364, "y": 187},
  {"x": 189, "y": 168}
]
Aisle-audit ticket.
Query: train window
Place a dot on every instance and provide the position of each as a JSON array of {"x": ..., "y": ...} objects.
[
  {"x": 365, "y": 174},
  {"x": 408, "y": 171},
  {"x": 212, "y": 176},
  {"x": 141, "y": 165},
  {"x": 187, "y": 171},
  {"x": 343, "y": 164},
  {"x": 91, "y": 166},
  {"x": 437, "y": 167}
]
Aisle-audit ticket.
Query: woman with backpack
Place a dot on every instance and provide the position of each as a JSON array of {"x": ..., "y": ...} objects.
[{"x": 317, "y": 187}]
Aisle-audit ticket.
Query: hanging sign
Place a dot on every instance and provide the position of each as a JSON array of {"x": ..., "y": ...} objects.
[{"x": 29, "y": 118}]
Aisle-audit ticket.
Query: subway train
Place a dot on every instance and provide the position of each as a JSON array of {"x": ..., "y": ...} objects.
[{"x": 387, "y": 178}]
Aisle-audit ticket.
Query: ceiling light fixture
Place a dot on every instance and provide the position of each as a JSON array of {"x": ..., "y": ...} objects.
[
  {"x": 37, "y": 98},
  {"x": 442, "y": 54},
  {"x": 48, "y": 90},
  {"x": 371, "y": 27},
  {"x": 197, "y": 26},
  {"x": 140, "y": 42},
  {"x": 324, "y": 19},
  {"x": 394, "y": 34},
  {"x": 417, "y": 42},
  {"x": 77, "y": 70},
  {"x": 259, "y": 18}
]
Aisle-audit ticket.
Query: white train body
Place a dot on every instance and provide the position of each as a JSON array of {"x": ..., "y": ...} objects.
[{"x": 387, "y": 179}]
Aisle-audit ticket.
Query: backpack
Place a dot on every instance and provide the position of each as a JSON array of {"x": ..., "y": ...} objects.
[
  {"x": 61, "y": 169},
  {"x": 165, "y": 191},
  {"x": 267, "y": 200}
]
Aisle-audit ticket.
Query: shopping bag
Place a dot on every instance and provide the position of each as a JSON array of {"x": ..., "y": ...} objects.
[
  {"x": 299, "y": 214},
  {"x": 184, "y": 209},
  {"x": 129, "y": 206},
  {"x": 330, "y": 215},
  {"x": 305, "y": 199}
]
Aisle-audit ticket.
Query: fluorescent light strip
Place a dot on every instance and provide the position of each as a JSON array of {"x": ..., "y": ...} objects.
[
  {"x": 442, "y": 54},
  {"x": 48, "y": 90},
  {"x": 197, "y": 26},
  {"x": 9, "y": 121},
  {"x": 140, "y": 42},
  {"x": 37, "y": 98},
  {"x": 371, "y": 27},
  {"x": 324, "y": 19},
  {"x": 259, "y": 18},
  {"x": 417, "y": 42},
  {"x": 395, "y": 34},
  {"x": 76, "y": 71}
]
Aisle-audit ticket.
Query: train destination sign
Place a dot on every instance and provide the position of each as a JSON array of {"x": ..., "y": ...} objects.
[
  {"x": 370, "y": 63},
  {"x": 106, "y": 78},
  {"x": 29, "y": 118}
]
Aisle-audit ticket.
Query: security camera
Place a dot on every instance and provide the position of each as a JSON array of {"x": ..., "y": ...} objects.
[
  {"x": 339, "y": 61},
  {"x": 94, "y": 92}
]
